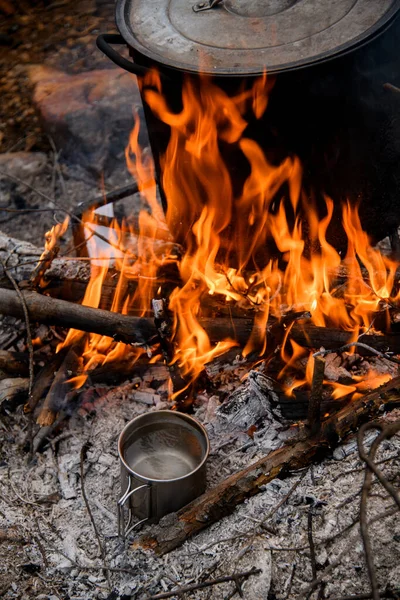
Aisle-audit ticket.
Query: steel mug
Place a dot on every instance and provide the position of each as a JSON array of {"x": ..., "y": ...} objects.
[{"x": 163, "y": 458}]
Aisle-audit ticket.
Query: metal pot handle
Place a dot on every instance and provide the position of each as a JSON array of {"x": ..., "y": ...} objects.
[
  {"x": 103, "y": 43},
  {"x": 125, "y": 529},
  {"x": 206, "y": 5}
]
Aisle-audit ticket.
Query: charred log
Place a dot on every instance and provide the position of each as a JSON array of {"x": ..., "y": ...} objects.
[
  {"x": 141, "y": 331},
  {"x": 220, "y": 501}
]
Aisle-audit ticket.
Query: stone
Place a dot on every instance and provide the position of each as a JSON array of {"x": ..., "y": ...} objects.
[
  {"x": 89, "y": 115},
  {"x": 24, "y": 165}
]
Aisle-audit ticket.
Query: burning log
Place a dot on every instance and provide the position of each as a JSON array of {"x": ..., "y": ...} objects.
[
  {"x": 163, "y": 324},
  {"x": 142, "y": 331},
  {"x": 314, "y": 406},
  {"x": 67, "y": 277},
  {"x": 220, "y": 501}
]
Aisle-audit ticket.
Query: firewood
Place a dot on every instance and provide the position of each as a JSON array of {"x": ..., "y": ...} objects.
[
  {"x": 67, "y": 277},
  {"x": 50, "y": 311},
  {"x": 142, "y": 331},
  {"x": 300, "y": 452},
  {"x": 59, "y": 388},
  {"x": 314, "y": 406},
  {"x": 43, "y": 380}
]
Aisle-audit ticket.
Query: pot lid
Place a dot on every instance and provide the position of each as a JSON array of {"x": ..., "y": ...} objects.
[{"x": 237, "y": 37}]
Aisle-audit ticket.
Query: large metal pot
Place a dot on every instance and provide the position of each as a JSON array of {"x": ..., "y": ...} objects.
[
  {"x": 244, "y": 37},
  {"x": 328, "y": 106}
]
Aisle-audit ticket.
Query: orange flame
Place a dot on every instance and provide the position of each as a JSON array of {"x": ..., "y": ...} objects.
[
  {"x": 226, "y": 233},
  {"x": 51, "y": 237}
]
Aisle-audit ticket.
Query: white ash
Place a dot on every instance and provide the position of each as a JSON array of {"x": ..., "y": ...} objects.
[{"x": 234, "y": 544}]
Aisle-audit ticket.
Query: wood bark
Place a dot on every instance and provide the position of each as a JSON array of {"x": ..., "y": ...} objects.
[
  {"x": 51, "y": 311},
  {"x": 67, "y": 277},
  {"x": 142, "y": 331},
  {"x": 220, "y": 501}
]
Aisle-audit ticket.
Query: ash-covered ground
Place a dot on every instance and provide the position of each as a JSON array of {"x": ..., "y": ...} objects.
[{"x": 48, "y": 548}]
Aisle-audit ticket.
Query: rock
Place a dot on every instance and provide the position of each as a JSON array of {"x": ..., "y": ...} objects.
[
  {"x": 89, "y": 115},
  {"x": 24, "y": 165}
]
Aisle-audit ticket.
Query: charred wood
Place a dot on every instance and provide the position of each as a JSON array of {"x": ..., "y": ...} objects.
[
  {"x": 220, "y": 501},
  {"x": 43, "y": 381},
  {"x": 182, "y": 389},
  {"x": 51, "y": 311},
  {"x": 60, "y": 387},
  {"x": 142, "y": 331},
  {"x": 314, "y": 406}
]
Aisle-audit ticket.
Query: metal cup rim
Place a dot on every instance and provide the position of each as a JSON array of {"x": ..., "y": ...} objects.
[{"x": 194, "y": 422}]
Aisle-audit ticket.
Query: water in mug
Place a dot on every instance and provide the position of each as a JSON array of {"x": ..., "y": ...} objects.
[{"x": 164, "y": 451}]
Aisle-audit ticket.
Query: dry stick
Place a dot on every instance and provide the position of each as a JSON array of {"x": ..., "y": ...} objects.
[
  {"x": 314, "y": 406},
  {"x": 358, "y": 345},
  {"x": 30, "y": 347},
  {"x": 387, "y": 432},
  {"x": 51, "y": 311},
  {"x": 369, "y": 470},
  {"x": 199, "y": 586},
  {"x": 27, "y": 324},
  {"x": 296, "y": 454},
  {"x": 85, "y": 498},
  {"x": 336, "y": 562}
]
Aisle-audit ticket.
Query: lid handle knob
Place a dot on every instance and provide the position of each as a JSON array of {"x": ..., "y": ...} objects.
[{"x": 205, "y": 5}]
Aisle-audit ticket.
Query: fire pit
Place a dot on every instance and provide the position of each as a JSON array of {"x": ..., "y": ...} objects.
[{"x": 252, "y": 295}]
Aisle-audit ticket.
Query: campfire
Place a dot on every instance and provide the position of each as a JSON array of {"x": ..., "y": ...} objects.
[
  {"x": 249, "y": 313},
  {"x": 249, "y": 275}
]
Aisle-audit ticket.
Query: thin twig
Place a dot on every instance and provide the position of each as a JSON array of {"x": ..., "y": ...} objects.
[
  {"x": 371, "y": 468},
  {"x": 358, "y": 345},
  {"x": 387, "y": 432},
  {"x": 289, "y": 583},
  {"x": 345, "y": 550},
  {"x": 252, "y": 534},
  {"x": 68, "y": 212},
  {"x": 85, "y": 498},
  {"x": 359, "y": 469},
  {"x": 236, "y": 577},
  {"x": 29, "y": 344}
]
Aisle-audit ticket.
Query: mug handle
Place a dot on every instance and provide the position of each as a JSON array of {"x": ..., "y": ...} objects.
[{"x": 125, "y": 529}]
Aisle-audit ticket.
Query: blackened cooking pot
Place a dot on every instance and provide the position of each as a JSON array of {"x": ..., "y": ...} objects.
[{"x": 329, "y": 105}]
